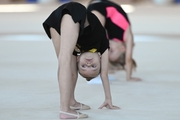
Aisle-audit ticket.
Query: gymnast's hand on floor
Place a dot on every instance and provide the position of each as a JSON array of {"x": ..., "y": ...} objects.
[
  {"x": 134, "y": 79},
  {"x": 108, "y": 105}
]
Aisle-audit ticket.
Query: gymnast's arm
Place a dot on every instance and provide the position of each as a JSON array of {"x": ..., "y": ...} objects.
[
  {"x": 105, "y": 81},
  {"x": 129, "y": 53}
]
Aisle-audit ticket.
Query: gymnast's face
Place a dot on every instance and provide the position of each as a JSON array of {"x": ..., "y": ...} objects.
[
  {"x": 89, "y": 64},
  {"x": 116, "y": 50}
]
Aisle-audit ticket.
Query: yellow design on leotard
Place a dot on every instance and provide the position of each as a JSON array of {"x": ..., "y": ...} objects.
[{"x": 93, "y": 50}]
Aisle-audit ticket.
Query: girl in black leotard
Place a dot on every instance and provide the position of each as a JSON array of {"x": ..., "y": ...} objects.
[{"x": 80, "y": 42}]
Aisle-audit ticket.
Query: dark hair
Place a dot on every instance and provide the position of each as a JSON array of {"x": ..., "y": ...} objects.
[
  {"x": 90, "y": 78},
  {"x": 87, "y": 78},
  {"x": 121, "y": 61}
]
